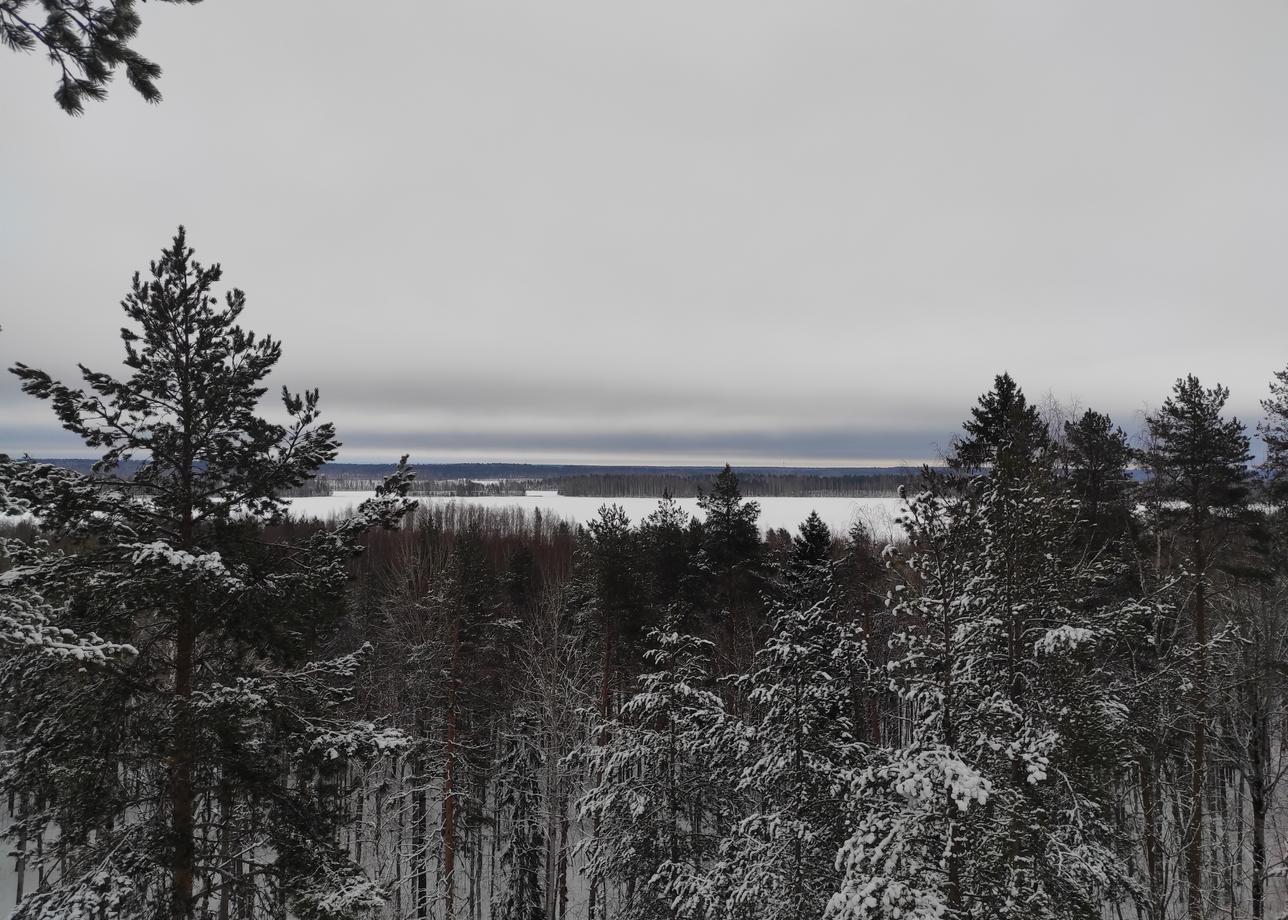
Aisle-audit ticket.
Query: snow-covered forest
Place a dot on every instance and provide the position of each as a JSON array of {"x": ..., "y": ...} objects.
[{"x": 1059, "y": 692}]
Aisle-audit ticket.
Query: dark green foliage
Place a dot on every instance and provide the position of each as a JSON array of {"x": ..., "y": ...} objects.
[
  {"x": 212, "y": 678},
  {"x": 813, "y": 545},
  {"x": 995, "y": 800},
  {"x": 613, "y": 551},
  {"x": 730, "y": 537},
  {"x": 666, "y": 551},
  {"x": 1274, "y": 431},
  {"x": 729, "y": 560},
  {"x": 524, "y": 852},
  {"x": 1098, "y": 458},
  {"x": 1003, "y": 430},
  {"x": 1197, "y": 456},
  {"x": 1198, "y": 491},
  {"x": 87, "y": 40},
  {"x": 809, "y": 567}
]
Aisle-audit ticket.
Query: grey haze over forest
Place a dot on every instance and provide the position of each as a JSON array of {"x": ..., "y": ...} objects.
[{"x": 674, "y": 232}]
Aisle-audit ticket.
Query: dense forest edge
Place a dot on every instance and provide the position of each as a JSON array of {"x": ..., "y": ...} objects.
[{"x": 1062, "y": 693}]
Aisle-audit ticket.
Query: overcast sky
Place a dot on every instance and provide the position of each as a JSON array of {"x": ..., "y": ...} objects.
[{"x": 801, "y": 232}]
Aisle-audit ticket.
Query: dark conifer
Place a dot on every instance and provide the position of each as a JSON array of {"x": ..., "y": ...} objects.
[
  {"x": 813, "y": 545},
  {"x": 1198, "y": 465},
  {"x": 219, "y": 705},
  {"x": 809, "y": 572},
  {"x": 1274, "y": 432},
  {"x": 86, "y": 40},
  {"x": 1003, "y": 430},
  {"x": 730, "y": 535},
  {"x": 1098, "y": 458}
]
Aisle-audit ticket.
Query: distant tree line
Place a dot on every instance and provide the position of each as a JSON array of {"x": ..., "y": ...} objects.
[
  {"x": 690, "y": 485},
  {"x": 648, "y": 483}
]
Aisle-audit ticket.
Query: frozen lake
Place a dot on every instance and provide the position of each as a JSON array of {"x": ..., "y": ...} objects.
[{"x": 877, "y": 514}]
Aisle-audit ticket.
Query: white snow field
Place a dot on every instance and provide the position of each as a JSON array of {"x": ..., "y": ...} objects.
[{"x": 877, "y": 514}]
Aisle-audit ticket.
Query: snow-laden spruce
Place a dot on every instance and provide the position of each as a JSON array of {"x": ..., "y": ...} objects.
[
  {"x": 658, "y": 785},
  {"x": 995, "y": 801},
  {"x": 795, "y": 740},
  {"x": 703, "y": 812}
]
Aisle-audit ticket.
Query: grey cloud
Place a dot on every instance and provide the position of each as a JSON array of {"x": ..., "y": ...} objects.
[{"x": 637, "y": 226}]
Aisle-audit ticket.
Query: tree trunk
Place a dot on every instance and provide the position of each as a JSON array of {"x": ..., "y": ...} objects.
[
  {"x": 1259, "y": 768},
  {"x": 562, "y": 871},
  {"x": 605, "y": 695},
  {"x": 225, "y": 874},
  {"x": 182, "y": 797},
  {"x": 419, "y": 844},
  {"x": 1194, "y": 834},
  {"x": 449, "y": 783},
  {"x": 20, "y": 860},
  {"x": 1149, "y": 805},
  {"x": 183, "y": 746},
  {"x": 1258, "y": 855}
]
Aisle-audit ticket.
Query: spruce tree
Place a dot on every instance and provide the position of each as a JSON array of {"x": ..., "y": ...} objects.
[
  {"x": 212, "y": 701},
  {"x": 524, "y": 850},
  {"x": 666, "y": 552},
  {"x": 614, "y": 603},
  {"x": 996, "y": 799},
  {"x": 729, "y": 564},
  {"x": 731, "y": 537},
  {"x": 1098, "y": 459},
  {"x": 809, "y": 570},
  {"x": 813, "y": 544},
  {"x": 662, "y": 779},
  {"x": 1003, "y": 431},
  {"x": 794, "y": 742}
]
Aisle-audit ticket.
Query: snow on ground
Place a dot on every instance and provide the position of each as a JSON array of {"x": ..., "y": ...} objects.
[{"x": 877, "y": 514}]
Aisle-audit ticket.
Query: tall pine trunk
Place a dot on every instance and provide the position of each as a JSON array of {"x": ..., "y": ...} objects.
[
  {"x": 1194, "y": 834},
  {"x": 419, "y": 844},
  {"x": 449, "y": 781},
  {"x": 226, "y": 829},
  {"x": 605, "y": 696},
  {"x": 182, "y": 798},
  {"x": 1258, "y": 762},
  {"x": 1149, "y": 805}
]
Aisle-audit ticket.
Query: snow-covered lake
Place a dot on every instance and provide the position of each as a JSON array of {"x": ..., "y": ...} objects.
[{"x": 877, "y": 514}]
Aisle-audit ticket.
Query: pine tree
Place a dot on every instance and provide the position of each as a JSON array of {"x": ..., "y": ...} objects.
[
  {"x": 87, "y": 41},
  {"x": 1003, "y": 431},
  {"x": 1198, "y": 463},
  {"x": 474, "y": 643},
  {"x": 996, "y": 800},
  {"x": 210, "y": 684},
  {"x": 1274, "y": 432},
  {"x": 859, "y": 586},
  {"x": 27, "y": 620}
]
